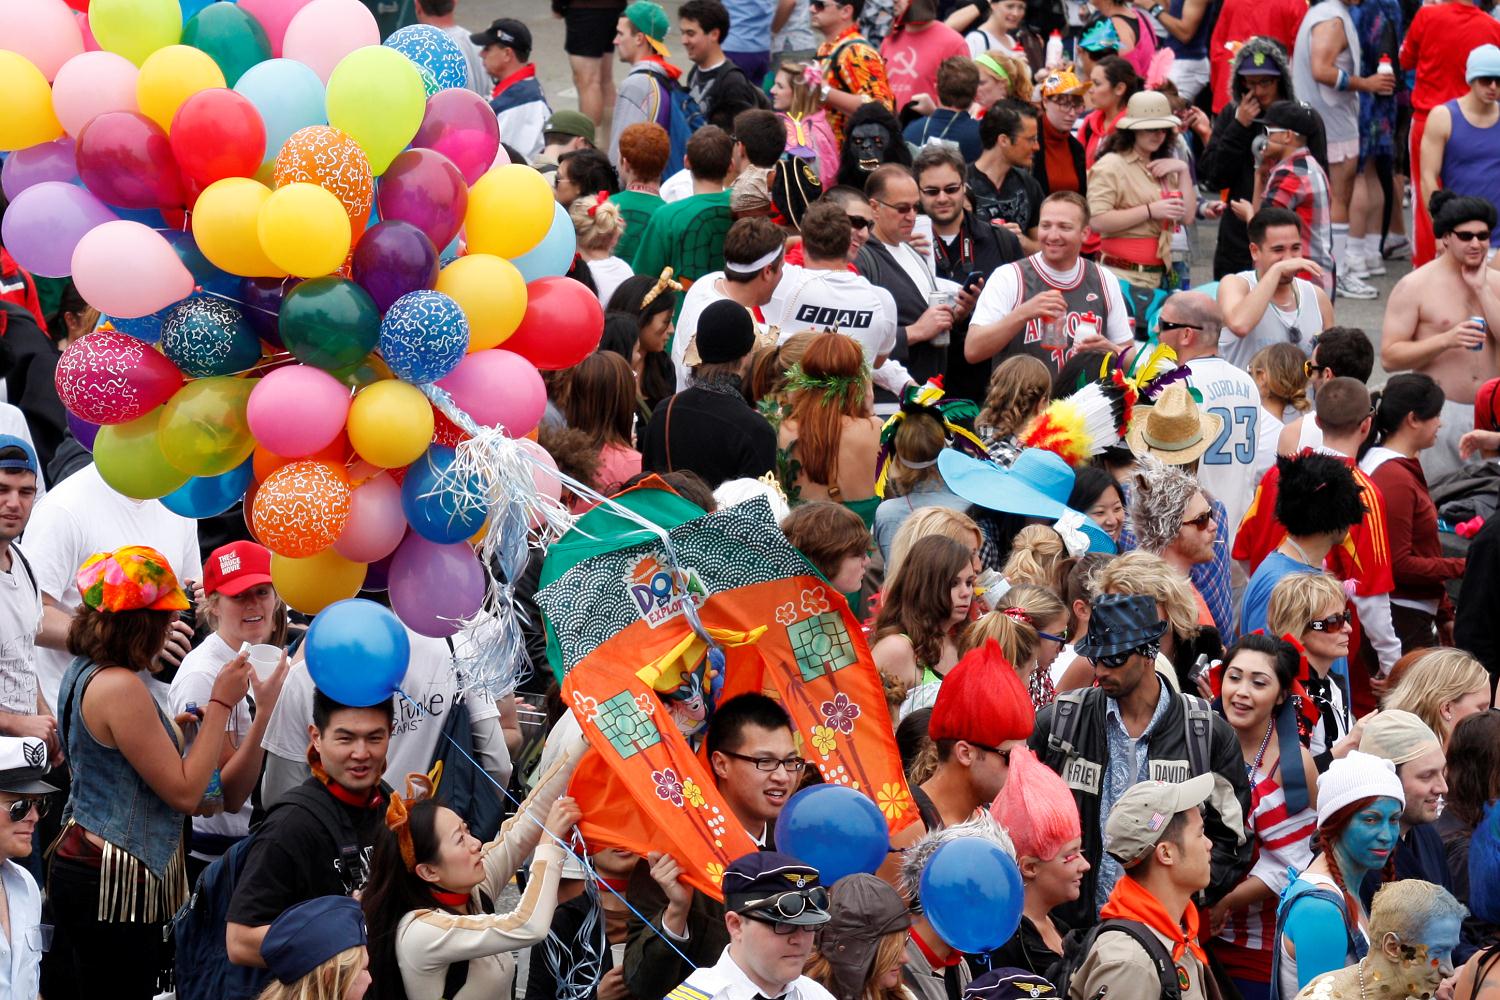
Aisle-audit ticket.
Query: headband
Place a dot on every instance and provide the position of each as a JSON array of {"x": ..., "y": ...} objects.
[
  {"x": 988, "y": 62},
  {"x": 764, "y": 260},
  {"x": 398, "y": 812},
  {"x": 956, "y": 416},
  {"x": 662, "y": 284}
]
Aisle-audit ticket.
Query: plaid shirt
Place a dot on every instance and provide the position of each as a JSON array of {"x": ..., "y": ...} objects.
[
  {"x": 1300, "y": 185},
  {"x": 1210, "y": 578}
]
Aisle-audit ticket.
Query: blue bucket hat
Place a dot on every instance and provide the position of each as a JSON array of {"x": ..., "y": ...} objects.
[{"x": 1036, "y": 485}]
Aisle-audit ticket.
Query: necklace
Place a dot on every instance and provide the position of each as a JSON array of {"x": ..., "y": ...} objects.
[
  {"x": 1301, "y": 552},
  {"x": 1260, "y": 754},
  {"x": 1359, "y": 970}
]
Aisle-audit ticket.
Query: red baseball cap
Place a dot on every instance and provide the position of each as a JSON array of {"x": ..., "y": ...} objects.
[
  {"x": 234, "y": 568},
  {"x": 1486, "y": 416}
]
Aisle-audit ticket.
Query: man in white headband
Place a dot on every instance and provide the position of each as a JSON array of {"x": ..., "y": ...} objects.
[{"x": 754, "y": 253}]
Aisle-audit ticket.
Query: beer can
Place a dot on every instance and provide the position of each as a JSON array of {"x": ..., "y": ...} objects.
[
  {"x": 938, "y": 297},
  {"x": 1483, "y": 326}
]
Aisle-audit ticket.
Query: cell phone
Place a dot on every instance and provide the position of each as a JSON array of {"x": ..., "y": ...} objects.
[{"x": 974, "y": 278}]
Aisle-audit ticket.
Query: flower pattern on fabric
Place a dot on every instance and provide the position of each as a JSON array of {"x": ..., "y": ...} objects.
[
  {"x": 668, "y": 788},
  {"x": 586, "y": 706},
  {"x": 858, "y": 70},
  {"x": 692, "y": 793},
  {"x": 786, "y": 614},
  {"x": 715, "y": 871},
  {"x": 893, "y": 800},
  {"x": 840, "y": 713},
  {"x": 824, "y": 739},
  {"x": 815, "y": 601}
]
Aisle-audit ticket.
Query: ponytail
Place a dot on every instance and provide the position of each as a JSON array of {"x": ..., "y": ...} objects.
[{"x": 1408, "y": 394}]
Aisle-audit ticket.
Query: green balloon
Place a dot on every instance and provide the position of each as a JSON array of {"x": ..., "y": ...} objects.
[
  {"x": 130, "y": 459},
  {"x": 329, "y": 322},
  {"x": 204, "y": 430},
  {"x": 230, "y": 36}
]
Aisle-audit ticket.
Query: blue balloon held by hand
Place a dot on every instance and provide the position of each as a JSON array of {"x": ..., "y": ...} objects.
[
  {"x": 971, "y": 892},
  {"x": 357, "y": 652},
  {"x": 835, "y": 829}
]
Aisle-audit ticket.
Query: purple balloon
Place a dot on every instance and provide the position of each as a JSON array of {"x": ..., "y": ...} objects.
[
  {"x": 433, "y": 587},
  {"x": 393, "y": 258},
  {"x": 461, "y": 125},
  {"x": 423, "y": 187},
  {"x": 45, "y": 223},
  {"x": 47, "y": 161},
  {"x": 260, "y": 301},
  {"x": 126, "y": 160},
  {"x": 82, "y": 430},
  {"x": 378, "y": 574}
]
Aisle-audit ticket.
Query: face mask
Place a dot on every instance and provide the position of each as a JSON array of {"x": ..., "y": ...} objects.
[{"x": 868, "y": 142}]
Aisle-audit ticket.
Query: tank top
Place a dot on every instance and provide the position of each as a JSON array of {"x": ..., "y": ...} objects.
[
  {"x": 1195, "y": 47},
  {"x": 1087, "y": 296},
  {"x": 1297, "y": 325},
  {"x": 1471, "y": 162},
  {"x": 1145, "y": 44}
]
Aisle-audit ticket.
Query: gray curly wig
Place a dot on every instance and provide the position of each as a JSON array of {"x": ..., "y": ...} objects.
[
  {"x": 915, "y": 858},
  {"x": 1159, "y": 496}
]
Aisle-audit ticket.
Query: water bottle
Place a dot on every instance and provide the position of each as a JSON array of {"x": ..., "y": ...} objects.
[
  {"x": 1384, "y": 67},
  {"x": 1054, "y": 55},
  {"x": 212, "y": 802}
]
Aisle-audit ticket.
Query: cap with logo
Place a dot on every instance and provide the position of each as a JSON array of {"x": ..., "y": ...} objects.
[
  {"x": 234, "y": 568},
  {"x": 509, "y": 32},
  {"x": 21, "y": 463},
  {"x": 1140, "y": 816},
  {"x": 755, "y": 883},
  {"x": 23, "y": 764},
  {"x": 574, "y": 123}
]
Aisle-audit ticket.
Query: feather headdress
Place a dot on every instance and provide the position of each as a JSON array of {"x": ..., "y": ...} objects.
[{"x": 956, "y": 416}]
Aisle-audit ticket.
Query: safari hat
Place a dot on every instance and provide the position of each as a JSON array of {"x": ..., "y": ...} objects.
[{"x": 1175, "y": 430}]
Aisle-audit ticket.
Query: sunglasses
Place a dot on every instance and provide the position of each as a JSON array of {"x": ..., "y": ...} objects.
[
  {"x": 1201, "y": 522},
  {"x": 1061, "y": 639},
  {"x": 775, "y": 910},
  {"x": 950, "y": 190},
  {"x": 793, "y": 765},
  {"x": 1311, "y": 370},
  {"x": 1004, "y": 755},
  {"x": 1167, "y": 326},
  {"x": 1114, "y": 660},
  {"x": 18, "y": 809},
  {"x": 1463, "y": 237},
  {"x": 1488, "y": 81},
  {"x": 906, "y": 208},
  {"x": 859, "y": 222},
  {"x": 1332, "y": 623}
]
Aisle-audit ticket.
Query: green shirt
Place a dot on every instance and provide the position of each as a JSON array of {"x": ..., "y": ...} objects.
[
  {"x": 637, "y": 208},
  {"x": 687, "y": 236},
  {"x": 392, "y": 14}
]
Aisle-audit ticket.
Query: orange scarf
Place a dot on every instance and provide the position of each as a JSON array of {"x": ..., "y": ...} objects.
[{"x": 1131, "y": 901}]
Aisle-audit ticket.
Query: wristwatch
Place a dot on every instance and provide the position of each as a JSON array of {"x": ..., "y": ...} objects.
[{"x": 1157, "y": 10}]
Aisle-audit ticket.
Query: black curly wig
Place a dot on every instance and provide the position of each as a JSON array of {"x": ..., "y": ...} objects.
[{"x": 1317, "y": 495}]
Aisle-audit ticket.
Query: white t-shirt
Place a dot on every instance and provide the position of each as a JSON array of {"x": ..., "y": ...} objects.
[
  {"x": 82, "y": 516},
  {"x": 608, "y": 275},
  {"x": 1229, "y": 468},
  {"x": 13, "y": 421},
  {"x": 20, "y": 617},
  {"x": 480, "y": 80},
  {"x": 809, "y": 299},
  {"x": 1002, "y": 293},
  {"x": 1277, "y": 326},
  {"x": 917, "y": 267},
  {"x": 677, "y": 187},
  {"x": 194, "y": 684},
  {"x": 700, "y": 295}
]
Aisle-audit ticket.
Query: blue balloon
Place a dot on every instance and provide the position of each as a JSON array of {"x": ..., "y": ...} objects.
[
  {"x": 205, "y": 275},
  {"x": 147, "y": 328},
  {"x": 357, "y": 652},
  {"x": 971, "y": 892},
  {"x": 835, "y": 829},
  {"x": 288, "y": 95},
  {"x": 151, "y": 218},
  {"x": 207, "y": 496},
  {"x": 552, "y": 257},
  {"x": 435, "y": 504},
  {"x": 423, "y": 336},
  {"x": 439, "y": 60},
  {"x": 207, "y": 336}
]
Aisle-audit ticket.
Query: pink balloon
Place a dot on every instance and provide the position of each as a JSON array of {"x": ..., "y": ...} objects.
[
  {"x": 274, "y": 16},
  {"x": 326, "y": 31},
  {"x": 90, "y": 84},
  {"x": 297, "y": 411},
  {"x": 425, "y": 188},
  {"x": 462, "y": 126},
  {"x": 43, "y": 31},
  {"x": 126, "y": 159},
  {"x": 128, "y": 270},
  {"x": 107, "y": 377},
  {"x": 90, "y": 43},
  {"x": 543, "y": 470},
  {"x": 498, "y": 389},
  {"x": 376, "y": 524},
  {"x": 433, "y": 587}
]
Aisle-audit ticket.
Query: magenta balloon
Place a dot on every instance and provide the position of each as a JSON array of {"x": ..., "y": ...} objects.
[
  {"x": 126, "y": 160},
  {"x": 107, "y": 377},
  {"x": 297, "y": 411},
  {"x": 376, "y": 524},
  {"x": 274, "y": 16},
  {"x": 393, "y": 258},
  {"x": 47, "y": 161},
  {"x": 462, "y": 126},
  {"x": 498, "y": 389},
  {"x": 423, "y": 187},
  {"x": 44, "y": 223},
  {"x": 433, "y": 586}
]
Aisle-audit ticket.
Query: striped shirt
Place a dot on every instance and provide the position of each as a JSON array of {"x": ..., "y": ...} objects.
[{"x": 1299, "y": 184}]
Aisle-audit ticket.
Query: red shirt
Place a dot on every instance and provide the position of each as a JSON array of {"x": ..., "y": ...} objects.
[
  {"x": 1437, "y": 46},
  {"x": 1241, "y": 20},
  {"x": 17, "y": 286}
]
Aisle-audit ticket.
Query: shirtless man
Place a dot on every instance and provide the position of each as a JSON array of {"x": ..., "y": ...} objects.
[{"x": 1428, "y": 325}]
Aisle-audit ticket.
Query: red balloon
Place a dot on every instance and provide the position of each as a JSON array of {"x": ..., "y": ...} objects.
[
  {"x": 107, "y": 377},
  {"x": 562, "y": 325},
  {"x": 126, "y": 160},
  {"x": 217, "y": 133}
]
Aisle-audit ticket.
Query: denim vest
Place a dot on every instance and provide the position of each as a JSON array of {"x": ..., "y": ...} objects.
[{"x": 108, "y": 797}]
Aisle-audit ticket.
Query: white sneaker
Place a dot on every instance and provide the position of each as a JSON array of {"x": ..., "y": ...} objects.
[
  {"x": 1352, "y": 287},
  {"x": 1373, "y": 265},
  {"x": 1353, "y": 265},
  {"x": 1397, "y": 248}
]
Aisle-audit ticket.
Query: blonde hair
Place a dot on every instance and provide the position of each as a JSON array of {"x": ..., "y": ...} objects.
[
  {"x": 600, "y": 229},
  {"x": 890, "y": 954},
  {"x": 1435, "y": 678},
  {"x": 926, "y": 521},
  {"x": 1150, "y": 576},
  {"x": 1042, "y": 603},
  {"x": 1017, "y": 638},
  {"x": 329, "y": 981},
  {"x": 1037, "y": 556},
  {"x": 1017, "y": 72},
  {"x": 804, "y": 102},
  {"x": 1297, "y": 598},
  {"x": 1018, "y": 388},
  {"x": 1286, "y": 378}
]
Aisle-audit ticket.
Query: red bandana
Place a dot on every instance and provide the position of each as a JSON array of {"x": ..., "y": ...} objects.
[
  {"x": 452, "y": 900},
  {"x": 953, "y": 958},
  {"x": 524, "y": 73}
]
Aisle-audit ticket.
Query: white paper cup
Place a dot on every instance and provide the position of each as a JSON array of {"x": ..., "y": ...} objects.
[
  {"x": 264, "y": 659},
  {"x": 617, "y": 952}
]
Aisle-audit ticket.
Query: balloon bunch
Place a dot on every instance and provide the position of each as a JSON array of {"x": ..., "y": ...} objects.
[{"x": 325, "y": 282}]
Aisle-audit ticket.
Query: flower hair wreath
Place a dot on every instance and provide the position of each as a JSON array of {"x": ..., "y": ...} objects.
[{"x": 839, "y": 389}]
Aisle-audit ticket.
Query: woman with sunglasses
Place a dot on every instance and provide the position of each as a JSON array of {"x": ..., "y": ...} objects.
[{"x": 1313, "y": 609}]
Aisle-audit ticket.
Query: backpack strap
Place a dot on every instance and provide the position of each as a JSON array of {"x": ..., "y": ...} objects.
[
  {"x": 1161, "y": 960},
  {"x": 1197, "y": 721},
  {"x": 839, "y": 50},
  {"x": 336, "y": 824},
  {"x": 1065, "y": 721}
]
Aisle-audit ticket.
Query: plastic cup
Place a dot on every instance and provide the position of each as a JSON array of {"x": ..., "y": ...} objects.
[
  {"x": 617, "y": 952},
  {"x": 264, "y": 659}
]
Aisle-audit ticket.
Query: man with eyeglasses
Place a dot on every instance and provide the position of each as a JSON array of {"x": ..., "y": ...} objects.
[
  {"x": 1172, "y": 518},
  {"x": 773, "y": 904},
  {"x": 1338, "y": 352},
  {"x": 1062, "y": 102},
  {"x": 23, "y": 801},
  {"x": 1272, "y": 304},
  {"x": 1133, "y": 726}
]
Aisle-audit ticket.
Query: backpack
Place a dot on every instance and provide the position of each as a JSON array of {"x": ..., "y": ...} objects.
[
  {"x": 1298, "y": 889},
  {"x": 204, "y": 971},
  {"x": 685, "y": 117},
  {"x": 1197, "y": 723},
  {"x": 466, "y": 789},
  {"x": 1077, "y": 948}
]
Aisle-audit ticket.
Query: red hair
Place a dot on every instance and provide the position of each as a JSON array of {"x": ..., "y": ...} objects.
[{"x": 819, "y": 414}]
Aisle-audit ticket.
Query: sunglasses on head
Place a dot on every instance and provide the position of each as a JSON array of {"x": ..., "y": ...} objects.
[
  {"x": 1201, "y": 522},
  {"x": 775, "y": 910},
  {"x": 1332, "y": 623},
  {"x": 18, "y": 809},
  {"x": 1462, "y": 237}
]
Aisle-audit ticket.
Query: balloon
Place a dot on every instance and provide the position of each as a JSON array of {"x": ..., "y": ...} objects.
[
  {"x": 390, "y": 424},
  {"x": 434, "y": 587},
  {"x": 260, "y": 299},
  {"x": 376, "y": 524},
  {"x": 329, "y": 323},
  {"x": 143, "y": 328},
  {"x": 498, "y": 389},
  {"x": 834, "y": 829},
  {"x": 135, "y": 28},
  {"x": 126, "y": 160},
  {"x": 129, "y": 458},
  {"x": 48, "y": 161},
  {"x": 337, "y": 453},
  {"x": 309, "y": 585},
  {"x": 423, "y": 187},
  {"x": 554, "y": 255},
  {"x": 376, "y": 96},
  {"x": 90, "y": 43},
  {"x": 106, "y": 377},
  {"x": 297, "y": 410},
  {"x": 430, "y": 48},
  {"x": 462, "y": 126},
  {"x": 273, "y": 16},
  {"x": 29, "y": 118},
  {"x": 216, "y": 134},
  {"x": 225, "y": 218},
  {"x": 510, "y": 211},
  {"x": 971, "y": 892},
  {"x": 492, "y": 294},
  {"x": 209, "y": 496},
  {"x": 203, "y": 427},
  {"x": 544, "y": 472},
  {"x": 288, "y": 96},
  {"x": 90, "y": 84},
  {"x": 206, "y": 277},
  {"x": 301, "y": 508},
  {"x": 204, "y": 336},
  {"x": 562, "y": 325},
  {"x": 124, "y": 269},
  {"x": 393, "y": 258},
  {"x": 323, "y": 32},
  {"x": 170, "y": 76},
  {"x": 332, "y": 160},
  {"x": 45, "y": 32},
  {"x": 83, "y": 431},
  {"x": 438, "y": 505},
  {"x": 44, "y": 223},
  {"x": 304, "y": 230},
  {"x": 423, "y": 336},
  {"x": 377, "y": 575},
  {"x": 357, "y": 652},
  {"x": 230, "y": 36}
]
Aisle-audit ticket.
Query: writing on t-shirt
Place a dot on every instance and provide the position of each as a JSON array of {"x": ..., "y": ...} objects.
[
  {"x": 409, "y": 716},
  {"x": 832, "y": 318}
]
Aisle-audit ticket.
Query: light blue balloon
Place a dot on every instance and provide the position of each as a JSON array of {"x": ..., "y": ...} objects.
[
  {"x": 552, "y": 257},
  {"x": 288, "y": 95},
  {"x": 208, "y": 496},
  {"x": 438, "y": 58}
]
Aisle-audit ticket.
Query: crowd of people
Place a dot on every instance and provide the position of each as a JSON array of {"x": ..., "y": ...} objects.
[{"x": 1171, "y": 596}]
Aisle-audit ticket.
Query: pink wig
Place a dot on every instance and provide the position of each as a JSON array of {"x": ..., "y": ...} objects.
[{"x": 1036, "y": 808}]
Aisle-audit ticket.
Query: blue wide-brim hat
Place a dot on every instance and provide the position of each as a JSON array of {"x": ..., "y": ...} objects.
[{"x": 1036, "y": 485}]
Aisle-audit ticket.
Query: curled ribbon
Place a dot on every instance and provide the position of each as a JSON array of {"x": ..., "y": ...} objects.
[{"x": 600, "y": 198}]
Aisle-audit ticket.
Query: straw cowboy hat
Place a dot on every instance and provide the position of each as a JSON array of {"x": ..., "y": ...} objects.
[{"x": 1175, "y": 430}]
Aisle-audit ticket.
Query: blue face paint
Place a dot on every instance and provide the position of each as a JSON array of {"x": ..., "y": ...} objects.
[
  {"x": 1370, "y": 837},
  {"x": 1441, "y": 937}
]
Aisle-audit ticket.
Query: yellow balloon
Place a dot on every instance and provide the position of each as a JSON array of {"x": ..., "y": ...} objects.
[
  {"x": 28, "y": 117},
  {"x": 135, "y": 28},
  {"x": 510, "y": 211},
  {"x": 310, "y": 585},
  {"x": 390, "y": 424},
  {"x": 170, "y": 76},
  {"x": 304, "y": 230},
  {"x": 376, "y": 96},
  {"x": 491, "y": 293},
  {"x": 225, "y": 227}
]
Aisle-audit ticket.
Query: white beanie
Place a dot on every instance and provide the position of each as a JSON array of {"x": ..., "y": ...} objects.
[{"x": 1354, "y": 777}]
